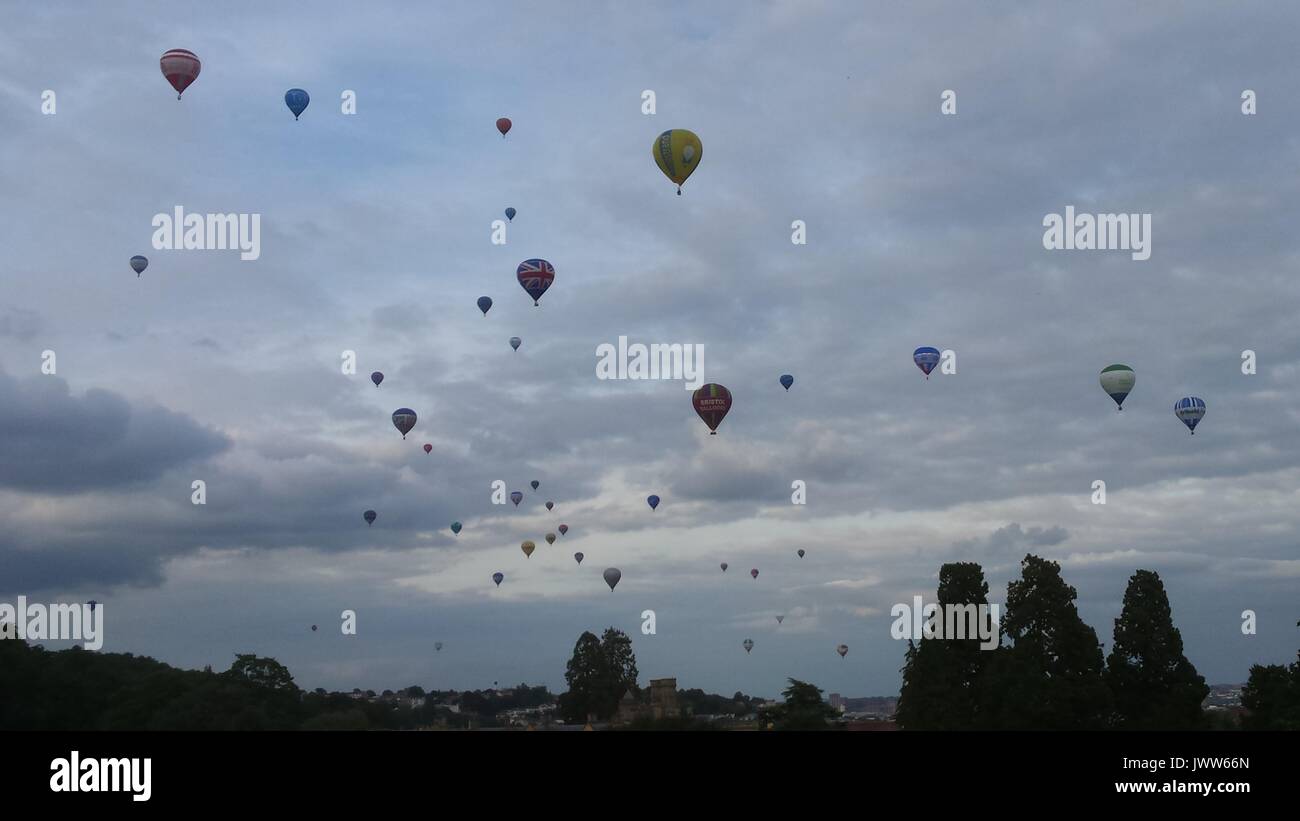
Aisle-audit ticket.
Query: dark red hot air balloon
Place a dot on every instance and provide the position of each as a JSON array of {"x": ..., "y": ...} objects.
[
  {"x": 503, "y": 125},
  {"x": 428, "y": 448},
  {"x": 181, "y": 68},
  {"x": 712, "y": 402}
]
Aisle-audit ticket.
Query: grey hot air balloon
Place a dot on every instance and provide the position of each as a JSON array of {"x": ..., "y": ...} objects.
[
  {"x": 612, "y": 575},
  {"x": 780, "y": 619},
  {"x": 437, "y": 645},
  {"x": 578, "y": 557},
  {"x": 748, "y": 644},
  {"x": 843, "y": 650},
  {"x": 138, "y": 264}
]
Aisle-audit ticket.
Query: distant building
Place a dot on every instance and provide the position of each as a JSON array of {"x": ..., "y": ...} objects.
[
  {"x": 837, "y": 702},
  {"x": 662, "y": 703}
]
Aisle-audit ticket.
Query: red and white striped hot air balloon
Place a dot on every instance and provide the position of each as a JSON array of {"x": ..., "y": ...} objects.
[{"x": 180, "y": 67}]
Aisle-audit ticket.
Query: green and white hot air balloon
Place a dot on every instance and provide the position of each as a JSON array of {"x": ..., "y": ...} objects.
[{"x": 1118, "y": 380}]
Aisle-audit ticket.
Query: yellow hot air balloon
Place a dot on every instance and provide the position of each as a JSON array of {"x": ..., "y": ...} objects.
[
  {"x": 528, "y": 548},
  {"x": 677, "y": 152}
]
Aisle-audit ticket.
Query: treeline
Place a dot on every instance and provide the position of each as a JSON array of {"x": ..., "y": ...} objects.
[
  {"x": 1048, "y": 671},
  {"x": 79, "y": 690}
]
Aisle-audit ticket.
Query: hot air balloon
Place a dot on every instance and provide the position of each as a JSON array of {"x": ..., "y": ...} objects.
[
  {"x": 748, "y": 644},
  {"x": 550, "y": 538},
  {"x": 535, "y": 276},
  {"x": 653, "y": 501},
  {"x": 1190, "y": 409},
  {"x": 313, "y": 628},
  {"x": 369, "y": 516},
  {"x": 1118, "y": 380},
  {"x": 515, "y": 342},
  {"x": 528, "y": 547},
  {"x": 800, "y": 552},
  {"x": 455, "y": 528},
  {"x": 510, "y": 214},
  {"x": 612, "y": 575},
  {"x": 498, "y": 578},
  {"x": 376, "y": 377},
  {"x": 677, "y": 152},
  {"x": 578, "y": 557},
  {"x": 138, "y": 264},
  {"x": 297, "y": 100},
  {"x": 712, "y": 402},
  {"x": 723, "y": 566},
  {"x": 754, "y": 573},
  {"x": 404, "y": 420},
  {"x": 428, "y": 448},
  {"x": 181, "y": 68},
  {"x": 535, "y": 484},
  {"x": 550, "y": 505},
  {"x": 563, "y": 529},
  {"x": 503, "y": 125},
  {"x": 780, "y": 619},
  {"x": 484, "y": 302},
  {"x": 843, "y": 650},
  {"x": 926, "y": 359},
  {"x": 787, "y": 380},
  {"x": 516, "y": 497},
  {"x": 437, "y": 645}
]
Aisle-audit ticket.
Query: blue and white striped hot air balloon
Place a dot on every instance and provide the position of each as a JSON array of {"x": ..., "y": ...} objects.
[{"x": 1190, "y": 409}]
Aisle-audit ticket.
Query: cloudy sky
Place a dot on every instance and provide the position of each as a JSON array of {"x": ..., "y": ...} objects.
[{"x": 922, "y": 229}]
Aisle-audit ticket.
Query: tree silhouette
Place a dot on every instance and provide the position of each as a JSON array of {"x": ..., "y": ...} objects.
[{"x": 1152, "y": 682}]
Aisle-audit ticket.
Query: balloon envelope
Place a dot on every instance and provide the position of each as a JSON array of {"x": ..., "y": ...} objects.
[
  {"x": 428, "y": 448},
  {"x": 510, "y": 214},
  {"x": 535, "y": 276},
  {"x": 455, "y": 527},
  {"x": 843, "y": 650},
  {"x": 370, "y": 516},
  {"x": 748, "y": 644},
  {"x": 138, "y": 264},
  {"x": 313, "y": 628},
  {"x": 677, "y": 152},
  {"x": 780, "y": 619},
  {"x": 437, "y": 645},
  {"x": 723, "y": 566},
  {"x": 579, "y": 557},
  {"x": 515, "y": 342},
  {"x": 484, "y": 302},
  {"x": 563, "y": 529},
  {"x": 503, "y": 125},
  {"x": 712, "y": 401},
  {"x": 754, "y": 573},
  {"x": 297, "y": 100},
  {"x": 612, "y": 575},
  {"x": 550, "y": 538},
  {"x": 1190, "y": 409},
  {"x": 801, "y": 552},
  {"x": 550, "y": 505},
  {"x": 925, "y": 359},
  {"x": 376, "y": 377},
  {"x": 404, "y": 420},
  {"x": 516, "y": 497},
  {"x": 653, "y": 501},
  {"x": 1118, "y": 381},
  {"x": 528, "y": 547},
  {"x": 498, "y": 577},
  {"x": 787, "y": 380},
  {"x": 535, "y": 484},
  {"x": 180, "y": 67}
]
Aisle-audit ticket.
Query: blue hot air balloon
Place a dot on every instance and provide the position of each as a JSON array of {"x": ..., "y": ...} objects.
[
  {"x": 369, "y": 516},
  {"x": 578, "y": 557},
  {"x": 536, "y": 484},
  {"x": 510, "y": 214},
  {"x": 404, "y": 420},
  {"x": 1190, "y": 409},
  {"x": 455, "y": 527},
  {"x": 787, "y": 380},
  {"x": 498, "y": 578},
  {"x": 516, "y": 497},
  {"x": 484, "y": 302},
  {"x": 515, "y": 342},
  {"x": 376, "y": 377},
  {"x": 925, "y": 359},
  {"x": 297, "y": 100},
  {"x": 138, "y": 264},
  {"x": 653, "y": 501}
]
